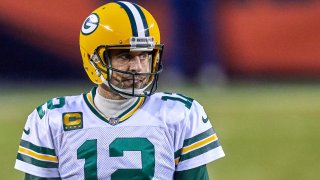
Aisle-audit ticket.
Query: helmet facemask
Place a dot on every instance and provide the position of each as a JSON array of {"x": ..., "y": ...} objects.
[{"x": 128, "y": 83}]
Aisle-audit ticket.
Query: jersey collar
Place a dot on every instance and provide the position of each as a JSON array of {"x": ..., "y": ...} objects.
[{"x": 88, "y": 98}]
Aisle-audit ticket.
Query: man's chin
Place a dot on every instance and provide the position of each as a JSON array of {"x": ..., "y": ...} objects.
[{"x": 130, "y": 85}]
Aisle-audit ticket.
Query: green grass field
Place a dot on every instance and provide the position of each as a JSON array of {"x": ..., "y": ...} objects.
[{"x": 267, "y": 131}]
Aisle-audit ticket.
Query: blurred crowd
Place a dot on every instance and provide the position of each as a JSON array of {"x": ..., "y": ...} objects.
[{"x": 206, "y": 42}]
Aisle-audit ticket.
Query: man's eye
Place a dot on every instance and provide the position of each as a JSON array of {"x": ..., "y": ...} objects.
[
  {"x": 124, "y": 56},
  {"x": 144, "y": 56}
]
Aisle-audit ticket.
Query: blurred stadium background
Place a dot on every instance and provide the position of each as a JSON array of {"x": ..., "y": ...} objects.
[{"x": 256, "y": 73}]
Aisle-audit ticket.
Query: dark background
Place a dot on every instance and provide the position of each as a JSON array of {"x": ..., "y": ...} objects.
[{"x": 205, "y": 42}]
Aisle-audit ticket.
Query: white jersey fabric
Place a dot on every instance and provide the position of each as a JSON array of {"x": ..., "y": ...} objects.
[{"x": 69, "y": 138}]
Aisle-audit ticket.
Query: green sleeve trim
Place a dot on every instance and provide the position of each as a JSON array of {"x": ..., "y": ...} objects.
[
  {"x": 195, "y": 139},
  {"x": 36, "y": 162},
  {"x": 200, "y": 151},
  {"x": 38, "y": 149},
  {"x": 192, "y": 174},
  {"x": 32, "y": 177},
  {"x": 198, "y": 137}
]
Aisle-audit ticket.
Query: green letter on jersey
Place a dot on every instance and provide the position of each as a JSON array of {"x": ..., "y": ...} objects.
[
  {"x": 61, "y": 103},
  {"x": 119, "y": 145},
  {"x": 184, "y": 99},
  {"x": 88, "y": 151},
  {"x": 50, "y": 105}
]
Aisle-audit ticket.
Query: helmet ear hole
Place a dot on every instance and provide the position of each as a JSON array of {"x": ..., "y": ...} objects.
[{"x": 106, "y": 57}]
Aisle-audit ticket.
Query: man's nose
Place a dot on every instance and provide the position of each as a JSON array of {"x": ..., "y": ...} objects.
[{"x": 135, "y": 64}]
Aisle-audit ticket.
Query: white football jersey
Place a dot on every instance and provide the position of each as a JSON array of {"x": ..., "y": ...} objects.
[{"x": 68, "y": 137}]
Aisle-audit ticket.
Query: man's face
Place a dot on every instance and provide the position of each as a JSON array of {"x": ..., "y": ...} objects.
[{"x": 124, "y": 60}]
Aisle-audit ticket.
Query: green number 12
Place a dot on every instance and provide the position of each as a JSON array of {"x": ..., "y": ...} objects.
[{"x": 88, "y": 151}]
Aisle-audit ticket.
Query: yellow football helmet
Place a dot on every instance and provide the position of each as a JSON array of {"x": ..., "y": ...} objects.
[{"x": 120, "y": 25}]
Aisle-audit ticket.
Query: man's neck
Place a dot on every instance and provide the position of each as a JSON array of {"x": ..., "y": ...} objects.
[
  {"x": 105, "y": 92},
  {"x": 110, "y": 104}
]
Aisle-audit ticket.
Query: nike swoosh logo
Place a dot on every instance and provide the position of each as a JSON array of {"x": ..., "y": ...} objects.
[
  {"x": 205, "y": 120},
  {"x": 27, "y": 131}
]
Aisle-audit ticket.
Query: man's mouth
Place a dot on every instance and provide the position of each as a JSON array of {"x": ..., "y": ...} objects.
[{"x": 136, "y": 80}]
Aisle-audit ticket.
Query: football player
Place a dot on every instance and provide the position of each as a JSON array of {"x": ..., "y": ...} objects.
[{"x": 121, "y": 129}]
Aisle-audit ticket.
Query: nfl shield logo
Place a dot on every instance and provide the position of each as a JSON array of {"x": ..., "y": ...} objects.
[{"x": 114, "y": 121}]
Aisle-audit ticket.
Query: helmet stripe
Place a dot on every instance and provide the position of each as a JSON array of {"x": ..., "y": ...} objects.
[
  {"x": 131, "y": 18},
  {"x": 137, "y": 19},
  {"x": 144, "y": 20}
]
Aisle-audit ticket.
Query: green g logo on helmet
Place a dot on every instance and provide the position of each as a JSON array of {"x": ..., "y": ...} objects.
[{"x": 90, "y": 24}]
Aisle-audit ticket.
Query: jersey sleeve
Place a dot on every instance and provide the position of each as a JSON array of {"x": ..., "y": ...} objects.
[
  {"x": 197, "y": 142},
  {"x": 36, "y": 153}
]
